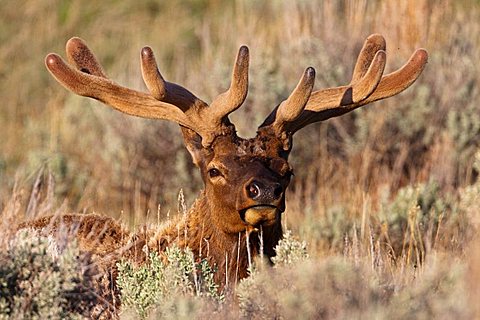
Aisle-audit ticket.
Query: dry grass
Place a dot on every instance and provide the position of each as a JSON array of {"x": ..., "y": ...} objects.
[{"x": 392, "y": 188}]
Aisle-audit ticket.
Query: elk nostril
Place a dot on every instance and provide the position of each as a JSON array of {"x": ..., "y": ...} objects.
[
  {"x": 253, "y": 190},
  {"x": 277, "y": 190}
]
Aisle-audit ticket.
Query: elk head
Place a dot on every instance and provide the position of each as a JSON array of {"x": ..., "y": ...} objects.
[{"x": 245, "y": 179}]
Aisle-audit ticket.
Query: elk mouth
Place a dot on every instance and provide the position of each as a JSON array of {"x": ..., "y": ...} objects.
[{"x": 263, "y": 214}]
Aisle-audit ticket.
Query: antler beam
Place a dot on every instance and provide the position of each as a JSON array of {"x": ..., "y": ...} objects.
[
  {"x": 367, "y": 85},
  {"x": 88, "y": 79},
  {"x": 85, "y": 76},
  {"x": 169, "y": 101}
]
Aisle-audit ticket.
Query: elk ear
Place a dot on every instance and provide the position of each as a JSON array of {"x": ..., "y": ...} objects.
[{"x": 193, "y": 142}]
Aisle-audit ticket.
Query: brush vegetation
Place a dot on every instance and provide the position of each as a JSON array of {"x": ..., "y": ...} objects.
[{"x": 384, "y": 206}]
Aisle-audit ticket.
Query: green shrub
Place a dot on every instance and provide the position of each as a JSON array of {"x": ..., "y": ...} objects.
[
  {"x": 335, "y": 288},
  {"x": 164, "y": 282},
  {"x": 425, "y": 215},
  {"x": 330, "y": 228},
  {"x": 470, "y": 197},
  {"x": 39, "y": 282},
  {"x": 290, "y": 250},
  {"x": 427, "y": 197}
]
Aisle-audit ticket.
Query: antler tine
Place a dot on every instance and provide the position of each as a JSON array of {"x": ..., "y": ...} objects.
[
  {"x": 79, "y": 55},
  {"x": 290, "y": 109},
  {"x": 397, "y": 81},
  {"x": 163, "y": 90},
  {"x": 151, "y": 75},
  {"x": 232, "y": 99},
  {"x": 372, "y": 45},
  {"x": 91, "y": 81}
]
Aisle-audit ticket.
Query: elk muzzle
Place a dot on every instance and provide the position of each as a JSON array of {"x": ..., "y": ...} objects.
[{"x": 264, "y": 202}]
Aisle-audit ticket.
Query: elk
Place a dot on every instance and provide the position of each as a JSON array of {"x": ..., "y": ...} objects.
[{"x": 245, "y": 179}]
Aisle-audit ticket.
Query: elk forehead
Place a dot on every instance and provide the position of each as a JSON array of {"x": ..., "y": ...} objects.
[{"x": 229, "y": 151}]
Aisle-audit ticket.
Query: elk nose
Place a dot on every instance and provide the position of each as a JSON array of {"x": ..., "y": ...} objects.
[
  {"x": 259, "y": 191},
  {"x": 277, "y": 190}
]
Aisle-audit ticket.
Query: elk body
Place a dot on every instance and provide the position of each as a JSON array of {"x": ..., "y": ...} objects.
[{"x": 245, "y": 179}]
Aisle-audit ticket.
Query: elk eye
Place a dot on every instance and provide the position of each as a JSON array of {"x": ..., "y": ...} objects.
[{"x": 214, "y": 173}]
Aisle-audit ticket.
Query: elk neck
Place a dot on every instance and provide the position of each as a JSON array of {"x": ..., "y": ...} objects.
[{"x": 229, "y": 253}]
